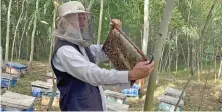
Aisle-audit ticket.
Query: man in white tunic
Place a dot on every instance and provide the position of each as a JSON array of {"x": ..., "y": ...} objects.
[{"x": 79, "y": 79}]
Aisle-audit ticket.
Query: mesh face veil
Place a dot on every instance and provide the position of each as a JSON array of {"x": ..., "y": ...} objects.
[{"x": 76, "y": 28}]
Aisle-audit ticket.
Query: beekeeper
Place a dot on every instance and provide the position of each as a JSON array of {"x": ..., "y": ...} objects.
[{"x": 79, "y": 79}]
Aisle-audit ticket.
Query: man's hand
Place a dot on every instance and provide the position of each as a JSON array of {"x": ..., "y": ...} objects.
[
  {"x": 117, "y": 22},
  {"x": 141, "y": 70}
]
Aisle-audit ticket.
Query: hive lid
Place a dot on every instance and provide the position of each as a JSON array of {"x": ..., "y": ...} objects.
[
  {"x": 16, "y": 65},
  {"x": 17, "y": 100}
]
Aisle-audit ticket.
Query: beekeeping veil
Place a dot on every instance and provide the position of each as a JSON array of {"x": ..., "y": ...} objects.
[{"x": 74, "y": 25}]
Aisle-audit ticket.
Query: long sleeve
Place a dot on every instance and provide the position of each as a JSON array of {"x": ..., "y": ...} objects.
[
  {"x": 78, "y": 66},
  {"x": 98, "y": 53},
  {"x": 101, "y": 56}
]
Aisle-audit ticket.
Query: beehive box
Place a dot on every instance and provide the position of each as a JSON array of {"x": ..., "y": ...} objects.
[
  {"x": 16, "y": 68},
  {"x": 8, "y": 80},
  {"x": 174, "y": 93},
  {"x": 11, "y": 101},
  {"x": 115, "y": 96},
  {"x": 171, "y": 100},
  {"x": 114, "y": 106},
  {"x": 46, "y": 98},
  {"x": 39, "y": 87},
  {"x": 168, "y": 107}
]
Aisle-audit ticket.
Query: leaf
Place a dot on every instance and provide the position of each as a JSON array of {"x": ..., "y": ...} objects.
[
  {"x": 56, "y": 3},
  {"x": 44, "y": 22}
]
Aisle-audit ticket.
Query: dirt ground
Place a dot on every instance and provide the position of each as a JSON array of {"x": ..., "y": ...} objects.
[{"x": 198, "y": 95}]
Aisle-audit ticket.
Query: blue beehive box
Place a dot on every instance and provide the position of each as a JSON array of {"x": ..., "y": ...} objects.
[
  {"x": 16, "y": 68},
  {"x": 8, "y": 80},
  {"x": 40, "y": 87},
  {"x": 49, "y": 93},
  {"x": 133, "y": 91}
]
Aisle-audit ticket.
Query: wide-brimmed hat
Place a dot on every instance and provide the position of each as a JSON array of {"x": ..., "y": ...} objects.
[{"x": 71, "y": 7}]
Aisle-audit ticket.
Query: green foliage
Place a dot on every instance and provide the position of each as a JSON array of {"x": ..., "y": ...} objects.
[{"x": 188, "y": 18}]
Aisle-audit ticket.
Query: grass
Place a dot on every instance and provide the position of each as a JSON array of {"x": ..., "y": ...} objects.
[{"x": 193, "y": 92}]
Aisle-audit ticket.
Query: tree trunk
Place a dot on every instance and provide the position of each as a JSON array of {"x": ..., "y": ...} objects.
[
  {"x": 204, "y": 27},
  {"x": 170, "y": 62},
  {"x": 176, "y": 52},
  {"x": 100, "y": 22},
  {"x": 169, "y": 56},
  {"x": 220, "y": 69},
  {"x": 33, "y": 37},
  {"x": 27, "y": 37},
  {"x": 1, "y": 61},
  {"x": 208, "y": 17},
  {"x": 215, "y": 63},
  {"x": 198, "y": 62},
  {"x": 166, "y": 61},
  {"x": 37, "y": 48},
  {"x": 184, "y": 57},
  {"x": 161, "y": 37},
  {"x": 188, "y": 54},
  {"x": 0, "y": 26},
  {"x": 15, "y": 33},
  {"x": 145, "y": 36},
  {"x": 146, "y": 27},
  {"x": 52, "y": 38},
  {"x": 202, "y": 58},
  {"x": 90, "y": 5},
  {"x": 50, "y": 56},
  {"x": 20, "y": 42},
  {"x": 141, "y": 35},
  {"x": 161, "y": 60},
  {"x": 7, "y": 32}
]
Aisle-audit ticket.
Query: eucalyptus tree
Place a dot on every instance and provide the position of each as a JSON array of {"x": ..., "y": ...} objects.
[
  {"x": 33, "y": 36},
  {"x": 161, "y": 36},
  {"x": 8, "y": 31}
]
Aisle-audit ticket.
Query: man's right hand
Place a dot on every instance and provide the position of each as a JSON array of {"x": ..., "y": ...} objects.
[{"x": 141, "y": 70}]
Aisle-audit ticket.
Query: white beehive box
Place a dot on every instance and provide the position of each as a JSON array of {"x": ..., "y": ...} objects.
[
  {"x": 171, "y": 100},
  {"x": 11, "y": 101},
  {"x": 115, "y": 96},
  {"x": 114, "y": 106},
  {"x": 174, "y": 92}
]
